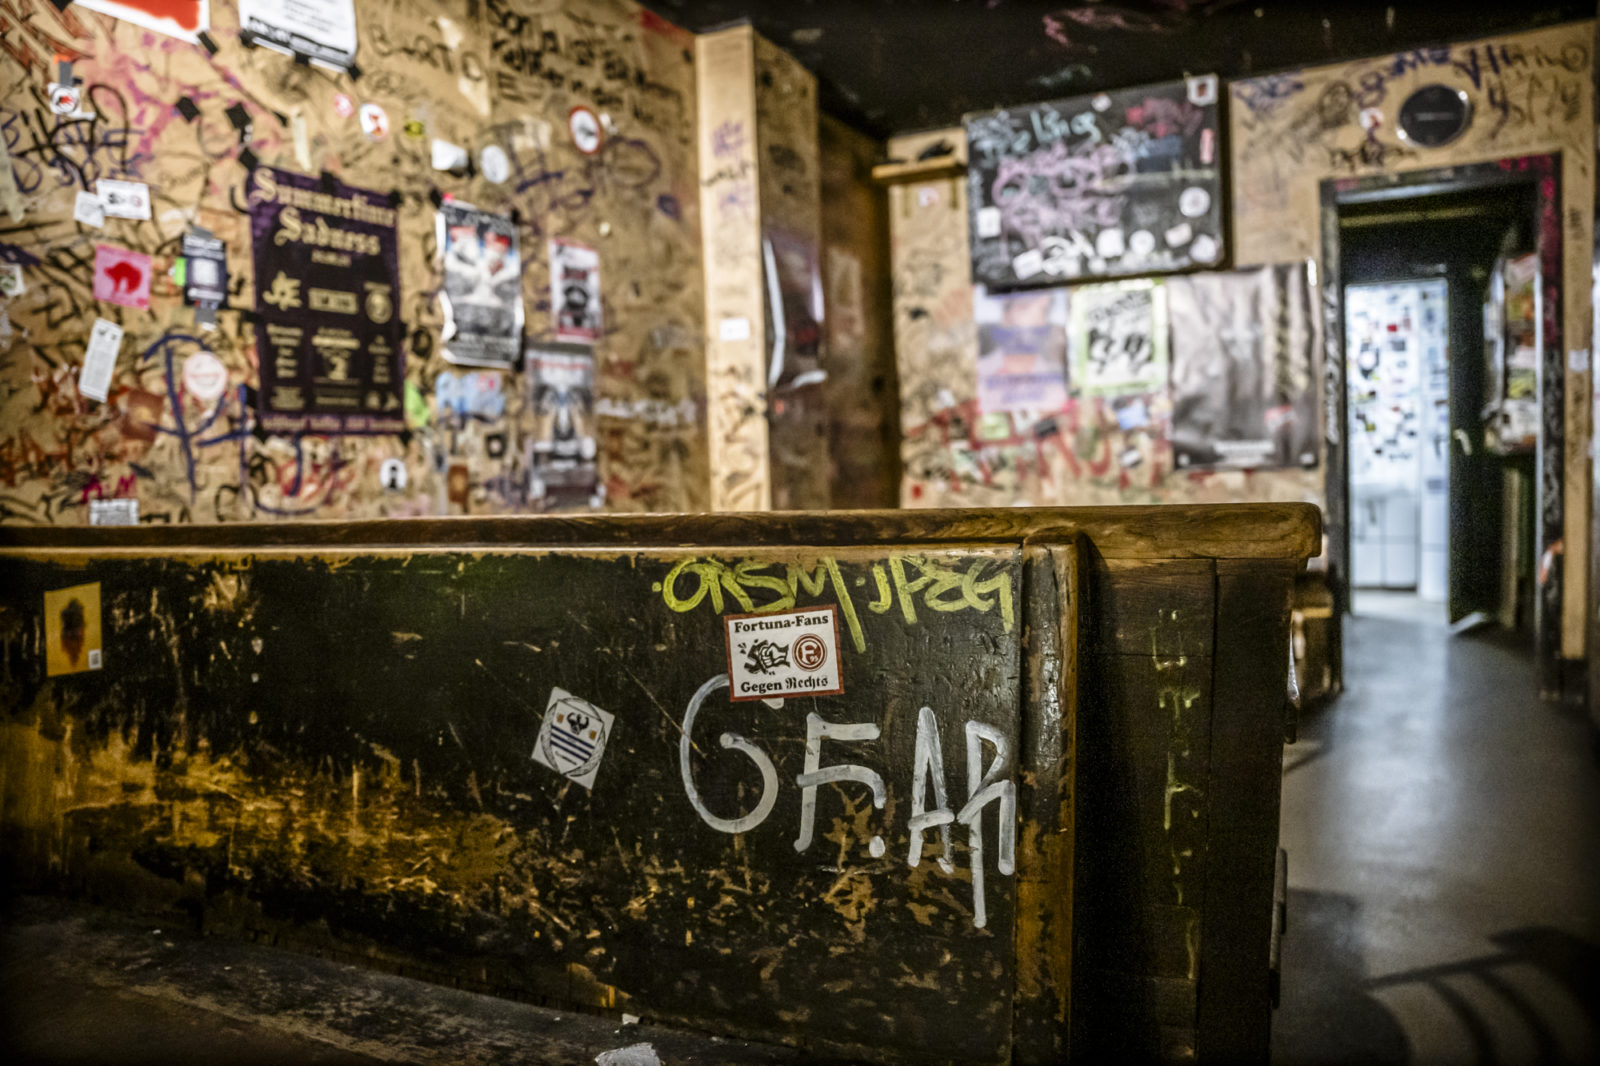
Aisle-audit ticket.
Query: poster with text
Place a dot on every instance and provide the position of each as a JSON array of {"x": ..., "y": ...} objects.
[
  {"x": 563, "y": 468},
  {"x": 1244, "y": 378},
  {"x": 482, "y": 296},
  {"x": 575, "y": 290},
  {"x": 1119, "y": 338},
  {"x": 1022, "y": 352},
  {"x": 327, "y": 274},
  {"x": 322, "y": 31},
  {"x": 183, "y": 19}
]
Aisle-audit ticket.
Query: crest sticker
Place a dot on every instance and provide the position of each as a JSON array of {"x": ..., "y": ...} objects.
[{"x": 573, "y": 738}]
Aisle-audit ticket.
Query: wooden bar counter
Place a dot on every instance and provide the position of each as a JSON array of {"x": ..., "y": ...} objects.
[{"x": 893, "y": 786}]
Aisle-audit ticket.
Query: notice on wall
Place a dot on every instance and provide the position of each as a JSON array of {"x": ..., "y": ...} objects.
[
  {"x": 575, "y": 290},
  {"x": 482, "y": 296},
  {"x": 327, "y": 275},
  {"x": 72, "y": 630},
  {"x": 1022, "y": 352},
  {"x": 100, "y": 360},
  {"x": 1119, "y": 338},
  {"x": 183, "y": 19},
  {"x": 1110, "y": 185},
  {"x": 124, "y": 199},
  {"x": 322, "y": 31},
  {"x": 561, "y": 453},
  {"x": 118, "y": 512},
  {"x": 1244, "y": 380}
]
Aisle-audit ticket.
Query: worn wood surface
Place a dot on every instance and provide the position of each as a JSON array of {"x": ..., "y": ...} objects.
[{"x": 1228, "y": 531}]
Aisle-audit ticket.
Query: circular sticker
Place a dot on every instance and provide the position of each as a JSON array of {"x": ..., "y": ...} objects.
[
  {"x": 1204, "y": 249},
  {"x": 1194, "y": 201},
  {"x": 1142, "y": 242},
  {"x": 374, "y": 122},
  {"x": 494, "y": 164},
  {"x": 343, "y": 106},
  {"x": 64, "y": 99},
  {"x": 392, "y": 475},
  {"x": 1100, "y": 102},
  {"x": 204, "y": 376},
  {"x": 1371, "y": 118},
  {"x": 585, "y": 127}
]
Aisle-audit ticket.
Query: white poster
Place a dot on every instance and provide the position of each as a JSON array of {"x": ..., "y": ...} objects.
[
  {"x": 324, "y": 31},
  {"x": 575, "y": 290},
  {"x": 100, "y": 361},
  {"x": 183, "y": 19}
]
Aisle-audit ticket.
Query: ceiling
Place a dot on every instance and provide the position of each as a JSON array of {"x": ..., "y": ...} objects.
[{"x": 894, "y": 66}]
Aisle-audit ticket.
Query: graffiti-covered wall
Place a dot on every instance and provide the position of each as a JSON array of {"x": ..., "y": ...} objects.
[
  {"x": 1529, "y": 93},
  {"x": 376, "y": 370}
]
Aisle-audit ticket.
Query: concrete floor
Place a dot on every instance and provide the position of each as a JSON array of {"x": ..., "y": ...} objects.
[{"x": 1443, "y": 832}]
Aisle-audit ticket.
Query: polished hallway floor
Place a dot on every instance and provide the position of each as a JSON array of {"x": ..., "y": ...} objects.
[{"x": 1443, "y": 833}]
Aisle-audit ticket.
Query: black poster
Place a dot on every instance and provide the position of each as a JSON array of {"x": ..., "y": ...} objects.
[
  {"x": 205, "y": 270},
  {"x": 1103, "y": 186},
  {"x": 328, "y": 338},
  {"x": 1244, "y": 373}
]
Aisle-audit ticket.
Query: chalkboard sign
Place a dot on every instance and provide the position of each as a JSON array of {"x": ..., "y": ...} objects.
[{"x": 1102, "y": 186}]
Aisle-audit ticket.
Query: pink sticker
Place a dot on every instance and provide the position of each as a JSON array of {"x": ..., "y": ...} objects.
[
  {"x": 122, "y": 277},
  {"x": 343, "y": 106},
  {"x": 1208, "y": 149}
]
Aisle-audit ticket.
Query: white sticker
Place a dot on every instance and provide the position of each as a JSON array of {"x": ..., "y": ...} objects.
[
  {"x": 124, "y": 199},
  {"x": 204, "y": 377},
  {"x": 1204, "y": 249},
  {"x": 392, "y": 475},
  {"x": 64, "y": 99},
  {"x": 1370, "y": 118},
  {"x": 1100, "y": 102},
  {"x": 1027, "y": 264},
  {"x": 1142, "y": 242},
  {"x": 11, "y": 283},
  {"x": 1203, "y": 90},
  {"x": 95, "y": 658},
  {"x": 447, "y": 156},
  {"x": 1578, "y": 360},
  {"x": 119, "y": 512},
  {"x": 584, "y": 125},
  {"x": 374, "y": 121},
  {"x": 1194, "y": 201},
  {"x": 734, "y": 329},
  {"x": 786, "y": 653},
  {"x": 573, "y": 738},
  {"x": 988, "y": 222},
  {"x": 1109, "y": 243},
  {"x": 89, "y": 210},
  {"x": 1180, "y": 235},
  {"x": 100, "y": 361},
  {"x": 927, "y": 196},
  {"x": 302, "y": 140},
  {"x": 494, "y": 164}
]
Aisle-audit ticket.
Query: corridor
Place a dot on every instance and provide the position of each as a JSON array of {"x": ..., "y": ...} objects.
[{"x": 1443, "y": 833}]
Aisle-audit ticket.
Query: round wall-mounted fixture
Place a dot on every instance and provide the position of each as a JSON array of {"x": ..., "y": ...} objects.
[{"x": 1435, "y": 115}]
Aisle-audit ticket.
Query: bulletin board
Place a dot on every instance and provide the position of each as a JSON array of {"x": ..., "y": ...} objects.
[{"x": 1102, "y": 186}]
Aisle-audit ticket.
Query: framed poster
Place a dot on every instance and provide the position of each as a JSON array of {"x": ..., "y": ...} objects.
[
  {"x": 1101, "y": 186},
  {"x": 328, "y": 337},
  {"x": 482, "y": 295}
]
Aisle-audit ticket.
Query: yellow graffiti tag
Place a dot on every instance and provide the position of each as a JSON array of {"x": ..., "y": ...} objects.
[{"x": 897, "y": 581}]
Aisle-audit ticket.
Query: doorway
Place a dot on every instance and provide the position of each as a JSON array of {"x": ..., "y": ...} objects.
[{"x": 1442, "y": 335}]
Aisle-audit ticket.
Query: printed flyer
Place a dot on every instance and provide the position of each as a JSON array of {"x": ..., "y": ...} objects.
[
  {"x": 575, "y": 290},
  {"x": 1022, "y": 353},
  {"x": 563, "y": 471},
  {"x": 482, "y": 297},
  {"x": 327, "y": 287},
  {"x": 324, "y": 31}
]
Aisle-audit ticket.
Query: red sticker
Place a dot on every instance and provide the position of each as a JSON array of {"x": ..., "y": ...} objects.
[{"x": 122, "y": 277}]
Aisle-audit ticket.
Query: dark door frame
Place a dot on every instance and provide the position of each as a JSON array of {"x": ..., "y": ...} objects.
[{"x": 1543, "y": 172}]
